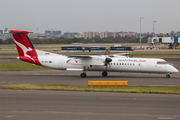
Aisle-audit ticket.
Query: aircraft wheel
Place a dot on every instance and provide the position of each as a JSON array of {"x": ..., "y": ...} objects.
[
  {"x": 83, "y": 75},
  {"x": 104, "y": 74},
  {"x": 168, "y": 76}
]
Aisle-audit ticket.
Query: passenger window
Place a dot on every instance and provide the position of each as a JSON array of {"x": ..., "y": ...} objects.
[
  {"x": 125, "y": 63},
  {"x": 130, "y": 64},
  {"x": 117, "y": 63},
  {"x": 122, "y": 63},
  {"x": 114, "y": 63}
]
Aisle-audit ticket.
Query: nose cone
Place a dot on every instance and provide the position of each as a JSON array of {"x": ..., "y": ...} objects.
[{"x": 174, "y": 70}]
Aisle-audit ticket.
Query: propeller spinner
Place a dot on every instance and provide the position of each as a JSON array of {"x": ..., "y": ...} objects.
[{"x": 107, "y": 61}]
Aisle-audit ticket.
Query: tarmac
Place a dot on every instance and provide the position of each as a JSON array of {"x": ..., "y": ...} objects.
[
  {"x": 68, "y": 105},
  {"x": 69, "y": 77}
]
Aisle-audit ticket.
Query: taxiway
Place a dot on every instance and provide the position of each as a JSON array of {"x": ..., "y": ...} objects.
[{"x": 68, "y": 105}]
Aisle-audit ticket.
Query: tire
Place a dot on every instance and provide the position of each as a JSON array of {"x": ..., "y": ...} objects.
[
  {"x": 168, "y": 76},
  {"x": 104, "y": 74},
  {"x": 83, "y": 75}
]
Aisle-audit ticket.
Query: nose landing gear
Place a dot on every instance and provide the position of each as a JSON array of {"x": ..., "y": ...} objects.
[{"x": 168, "y": 76}]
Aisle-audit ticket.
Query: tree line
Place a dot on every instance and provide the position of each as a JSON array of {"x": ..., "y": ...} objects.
[{"x": 95, "y": 39}]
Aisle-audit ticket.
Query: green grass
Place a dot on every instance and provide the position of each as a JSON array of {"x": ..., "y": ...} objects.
[
  {"x": 8, "y": 51},
  {"x": 8, "y": 56},
  {"x": 7, "y": 45},
  {"x": 70, "y": 87},
  {"x": 20, "y": 67}
]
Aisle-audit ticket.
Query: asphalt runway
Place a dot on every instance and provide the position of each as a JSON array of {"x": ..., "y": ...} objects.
[{"x": 69, "y": 105}]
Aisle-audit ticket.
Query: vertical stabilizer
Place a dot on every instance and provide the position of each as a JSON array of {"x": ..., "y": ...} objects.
[{"x": 24, "y": 47}]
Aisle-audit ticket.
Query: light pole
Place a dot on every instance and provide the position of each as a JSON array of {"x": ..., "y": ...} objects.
[
  {"x": 37, "y": 33},
  {"x": 140, "y": 30},
  {"x": 153, "y": 28}
]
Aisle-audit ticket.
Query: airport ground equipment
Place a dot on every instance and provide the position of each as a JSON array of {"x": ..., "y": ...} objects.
[
  {"x": 121, "y": 49},
  {"x": 172, "y": 41},
  {"x": 81, "y": 48},
  {"x": 95, "y": 49},
  {"x": 72, "y": 48}
]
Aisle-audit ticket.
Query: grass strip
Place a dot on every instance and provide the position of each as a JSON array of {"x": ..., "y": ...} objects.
[
  {"x": 71, "y": 87},
  {"x": 20, "y": 67},
  {"x": 8, "y": 56}
]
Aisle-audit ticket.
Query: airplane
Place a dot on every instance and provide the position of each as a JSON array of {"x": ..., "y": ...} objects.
[{"x": 84, "y": 63}]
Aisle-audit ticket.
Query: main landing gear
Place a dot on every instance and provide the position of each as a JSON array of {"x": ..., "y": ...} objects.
[
  {"x": 168, "y": 76},
  {"x": 83, "y": 75},
  {"x": 104, "y": 73}
]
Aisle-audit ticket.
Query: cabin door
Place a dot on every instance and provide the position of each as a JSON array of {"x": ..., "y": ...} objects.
[{"x": 139, "y": 66}]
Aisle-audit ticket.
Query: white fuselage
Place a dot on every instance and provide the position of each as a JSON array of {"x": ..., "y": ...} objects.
[{"x": 96, "y": 63}]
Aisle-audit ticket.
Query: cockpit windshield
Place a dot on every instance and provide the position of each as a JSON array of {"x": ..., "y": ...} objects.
[{"x": 162, "y": 63}]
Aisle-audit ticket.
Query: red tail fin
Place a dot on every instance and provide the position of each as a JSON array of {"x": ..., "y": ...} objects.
[{"x": 24, "y": 46}]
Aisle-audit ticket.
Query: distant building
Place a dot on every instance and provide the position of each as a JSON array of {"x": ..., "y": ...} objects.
[
  {"x": 72, "y": 35},
  {"x": 107, "y": 34},
  {"x": 1, "y": 31},
  {"x": 2, "y": 36},
  {"x": 56, "y": 32},
  {"x": 49, "y": 32},
  {"x": 89, "y": 35},
  {"x": 6, "y": 31},
  {"x": 127, "y": 34}
]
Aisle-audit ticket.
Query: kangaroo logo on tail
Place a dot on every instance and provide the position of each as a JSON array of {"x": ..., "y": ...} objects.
[
  {"x": 24, "y": 46},
  {"x": 25, "y": 50}
]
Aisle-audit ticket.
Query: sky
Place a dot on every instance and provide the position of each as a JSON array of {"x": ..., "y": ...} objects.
[{"x": 90, "y": 15}]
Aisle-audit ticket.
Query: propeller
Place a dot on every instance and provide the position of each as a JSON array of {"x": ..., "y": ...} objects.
[{"x": 107, "y": 59}]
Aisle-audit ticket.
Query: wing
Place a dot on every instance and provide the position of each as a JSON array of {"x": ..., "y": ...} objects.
[
  {"x": 80, "y": 56},
  {"x": 85, "y": 60},
  {"x": 119, "y": 54}
]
